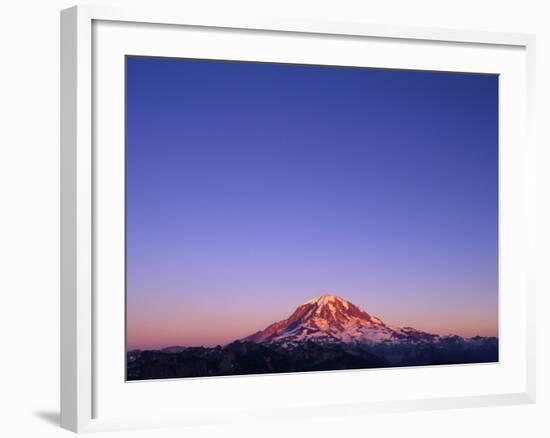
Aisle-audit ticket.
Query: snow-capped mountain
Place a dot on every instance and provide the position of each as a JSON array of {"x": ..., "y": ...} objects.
[
  {"x": 332, "y": 319},
  {"x": 325, "y": 333}
]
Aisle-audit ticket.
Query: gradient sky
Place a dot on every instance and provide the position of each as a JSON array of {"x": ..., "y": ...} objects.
[{"x": 253, "y": 187}]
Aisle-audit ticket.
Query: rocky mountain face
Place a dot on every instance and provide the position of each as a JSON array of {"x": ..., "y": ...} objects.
[{"x": 332, "y": 319}]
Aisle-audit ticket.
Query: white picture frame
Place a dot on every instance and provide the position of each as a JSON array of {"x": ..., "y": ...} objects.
[{"x": 83, "y": 370}]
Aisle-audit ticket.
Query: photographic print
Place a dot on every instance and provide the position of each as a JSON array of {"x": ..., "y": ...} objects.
[{"x": 297, "y": 218}]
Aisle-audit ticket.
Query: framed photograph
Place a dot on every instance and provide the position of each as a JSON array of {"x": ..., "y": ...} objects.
[{"x": 280, "y": 217}]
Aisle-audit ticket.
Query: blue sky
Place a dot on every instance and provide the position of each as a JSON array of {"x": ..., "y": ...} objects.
[{"x": 252, "y": 187}]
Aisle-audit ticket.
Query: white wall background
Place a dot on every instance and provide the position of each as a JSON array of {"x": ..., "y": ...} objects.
[{"x": 29, "y": 216}]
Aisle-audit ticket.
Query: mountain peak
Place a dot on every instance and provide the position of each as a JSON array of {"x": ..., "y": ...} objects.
[
  {"x": 326, "y": 318},
  {"x": 325, "y": 299}
]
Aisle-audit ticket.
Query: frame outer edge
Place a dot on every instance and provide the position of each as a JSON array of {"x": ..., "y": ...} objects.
[
  {"x": 187, "y": 17},
  {"x": 531, "y": 368},
  {"x": 76, "y": 337},
  {"x": 76, "y": 219},
  {"x": 68, "y": 220}
]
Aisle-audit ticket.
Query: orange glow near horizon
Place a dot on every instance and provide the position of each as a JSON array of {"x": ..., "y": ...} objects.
[{"x": 210, "y": 328}]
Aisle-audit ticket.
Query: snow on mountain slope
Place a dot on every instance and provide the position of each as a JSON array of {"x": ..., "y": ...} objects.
[{"x": 332, "y": 319}]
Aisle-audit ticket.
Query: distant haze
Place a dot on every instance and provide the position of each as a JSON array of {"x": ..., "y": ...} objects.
[{"x": 254, "y": 187}]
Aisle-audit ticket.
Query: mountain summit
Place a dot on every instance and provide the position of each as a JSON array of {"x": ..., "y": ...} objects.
[{"x": 332, "y": 319}]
